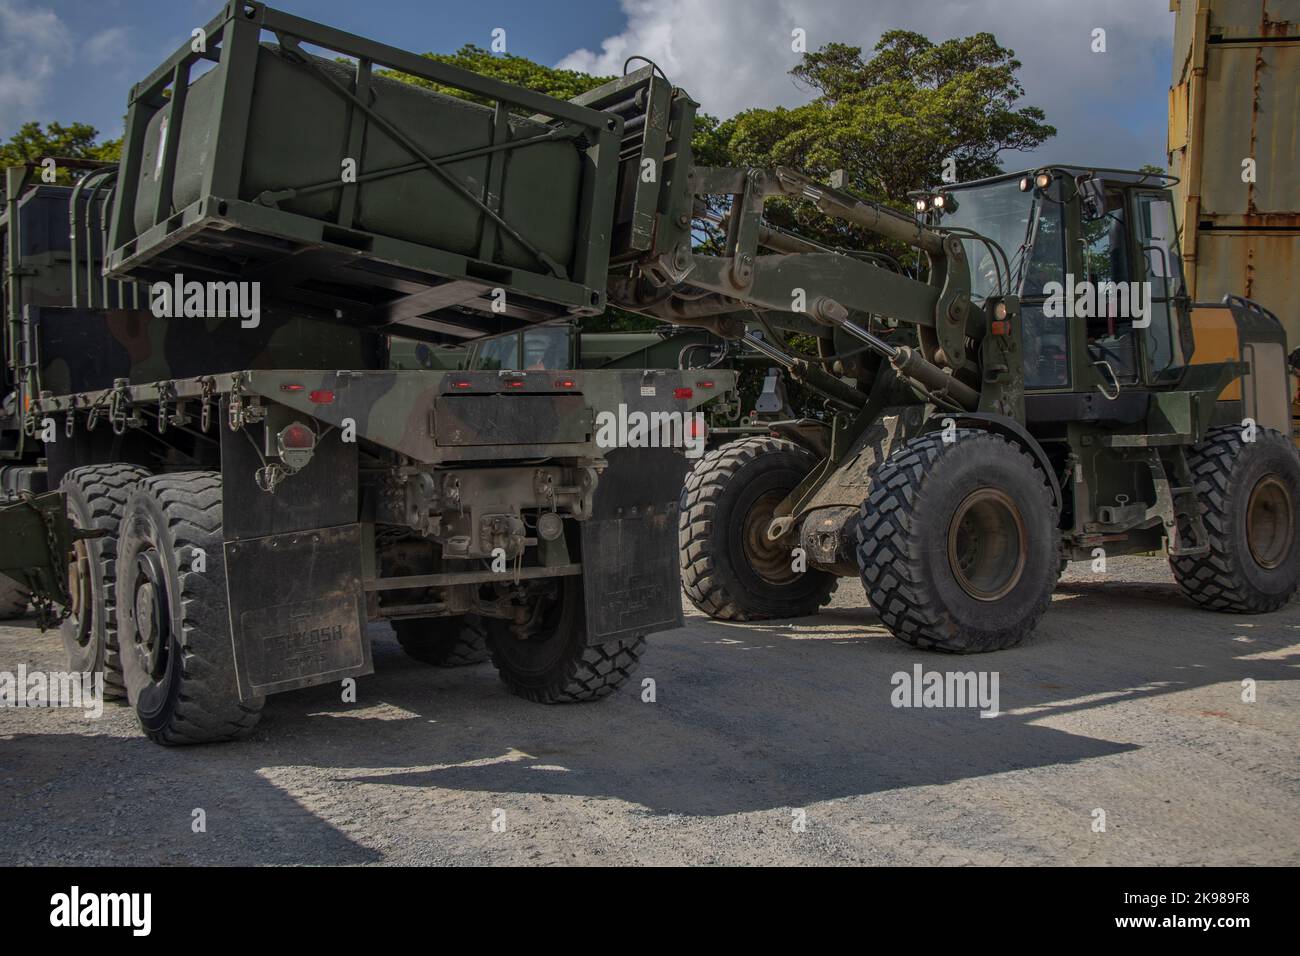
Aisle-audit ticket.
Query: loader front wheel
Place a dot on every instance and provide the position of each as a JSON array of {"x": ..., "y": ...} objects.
[
  {"x": 1249, "y": 493},
  {"x": 958, "y": 544},
  {"x": 443, "y": 641},
  {"x": 547, "y": 658},
  {"x": 96, "y": 496},
  {"x": 172, "y": 614},
  {"x": 730, "y": 569}
]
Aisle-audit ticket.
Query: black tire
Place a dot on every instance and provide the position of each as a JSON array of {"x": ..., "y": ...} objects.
[
  {"x": 173, "y": 621},
  {"x": 13, "y": 598},
  {"x": 729, "y": 570},
  {"x": 1250, "y": 503},
  {"x": 553, "y": 664},
  {"x": 443, "y": 641},
  {"x": 931, "y": 504},
  {"x": 97, "y": 496}
]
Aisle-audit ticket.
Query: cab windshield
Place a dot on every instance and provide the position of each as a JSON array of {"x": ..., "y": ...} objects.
[{"x": 1028, "y": 229}]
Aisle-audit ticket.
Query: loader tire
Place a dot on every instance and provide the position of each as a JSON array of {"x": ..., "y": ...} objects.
[
  {"x": 13, "y": 598},
  {"x": 96, "y": 496},
  {"x": 958, "y": 544},
  {"x": 730, "y": 570},
  {"x": 443, "y": 641},
  {"x": 173, "y": 619},
  {"x": 1250, "y": 504},
  {"x": 549, "y": 661}
]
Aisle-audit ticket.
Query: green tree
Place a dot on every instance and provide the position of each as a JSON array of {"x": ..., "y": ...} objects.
[
  {"x": 34, "y": 142},
  {"x": 891, "y": 120}
]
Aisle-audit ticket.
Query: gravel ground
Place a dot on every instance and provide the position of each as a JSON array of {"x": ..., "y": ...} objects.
[{"x": 1128, "y": 700}]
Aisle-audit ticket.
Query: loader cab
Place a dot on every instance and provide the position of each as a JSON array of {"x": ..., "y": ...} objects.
[{"x": 1093, "y": 255}]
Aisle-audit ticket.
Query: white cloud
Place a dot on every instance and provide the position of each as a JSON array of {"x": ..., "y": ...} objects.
[
  {"x": 107, "y": 47},
  {"x": 34, "y": 44},
  {"x": 734, "y": 54}
]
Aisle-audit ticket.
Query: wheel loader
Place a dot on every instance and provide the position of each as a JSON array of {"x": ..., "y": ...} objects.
[{"x": 1041, "y": 391}]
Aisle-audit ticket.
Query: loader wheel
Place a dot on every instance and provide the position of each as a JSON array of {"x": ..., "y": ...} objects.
[
  {"x": 96, "y": 498},
  {"x": 172, "y": 619},
  {"x": 1250, "y": 504},
  {"x": 548, "y": 659},
  {"x": 730, "y": 570},
  {"x": 443, "y": 641},
  {"x": 958, "y": 544},
  {"x": 13, "y": 598}
]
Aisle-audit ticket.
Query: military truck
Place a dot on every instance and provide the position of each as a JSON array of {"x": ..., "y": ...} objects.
[{"x": 198, "y": 358}]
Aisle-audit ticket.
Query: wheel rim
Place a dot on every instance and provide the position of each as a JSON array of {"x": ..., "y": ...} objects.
[
  {"x": 987, "y": 545},
  {"x": 769, "y": 560},
  {"x": 151, "y": 614},
  {"x": 1270, "y": 522},
  {"x": 79, "y": 591}
]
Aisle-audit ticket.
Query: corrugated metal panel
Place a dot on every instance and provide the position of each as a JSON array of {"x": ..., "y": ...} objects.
[
  {"x": 1252, "y": 97},
  {"x": 1261, "y": 266}
]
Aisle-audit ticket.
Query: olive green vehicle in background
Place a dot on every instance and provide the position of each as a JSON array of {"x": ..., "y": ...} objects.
[{"x": 974, "y": 445}]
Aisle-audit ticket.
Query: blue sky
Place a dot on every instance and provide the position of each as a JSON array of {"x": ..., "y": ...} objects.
[{"x": 72, "y": 60}]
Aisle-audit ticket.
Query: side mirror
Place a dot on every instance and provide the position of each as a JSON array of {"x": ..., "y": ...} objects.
[{"x": 1092, "y": 198}]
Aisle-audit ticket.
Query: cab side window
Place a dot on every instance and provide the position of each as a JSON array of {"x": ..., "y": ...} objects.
[{"x": 1107, "y": 257}]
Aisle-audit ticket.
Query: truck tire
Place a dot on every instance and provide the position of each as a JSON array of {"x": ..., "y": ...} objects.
[
  {"x": 1250, "y": 504},
  {"x": 13, "y": 598},
  {"x": 96, "y": 498},
  {"x": 958, "y": 544},
  {"x": 443, "y": 641},
  {"x": 552, "y": 663},
  {"x": 730, "y": 570},
  {"x": 174, "y": 622}
]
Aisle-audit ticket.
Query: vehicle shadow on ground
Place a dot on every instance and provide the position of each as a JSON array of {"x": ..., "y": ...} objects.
[
  {"x": 756, "y": 717},
  {"x": 746, "y": 718}
]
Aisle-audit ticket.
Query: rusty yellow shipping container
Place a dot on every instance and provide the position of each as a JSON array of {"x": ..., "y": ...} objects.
[{"x": 1233, "y": 109}]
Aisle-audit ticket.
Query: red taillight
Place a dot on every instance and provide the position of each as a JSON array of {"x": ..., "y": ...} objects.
[
  {"x": 703, "y": 384},
  {"x": 513, "y": 383},
  {"x": 297, "y": 437},
  {"x": 1001, "y": 327},
  {"x": 683, "y": 393},
  {"x": 292, "y": 388},
  {"x": 564, "y": 383},
  {"x": 463, "y": 383},
  {"x": 321, "y": 396}
]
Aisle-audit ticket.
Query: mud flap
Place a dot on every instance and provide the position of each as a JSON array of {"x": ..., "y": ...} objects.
[
  {"x": 296, "y": 609},
  {"x": 631, "y": 577}
]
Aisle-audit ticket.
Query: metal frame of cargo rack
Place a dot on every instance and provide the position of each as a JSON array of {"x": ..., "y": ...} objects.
[{"x": 426, "y": 279}]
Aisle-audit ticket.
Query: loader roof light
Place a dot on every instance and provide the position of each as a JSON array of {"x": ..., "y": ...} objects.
[
  {"x": 1043, "y": 180},
  {"x": 1026, "y": 184},
  {"x": 940, "y": 201},
  {"x": 921, "y": 206}
]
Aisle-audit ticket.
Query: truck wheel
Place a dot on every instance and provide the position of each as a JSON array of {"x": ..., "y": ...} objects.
[
  {"x": 443, "y": 641},
  {"x": 730, "y": 570},
  {"x": 13, "y": 598},
  {"x": 1250, "y": 505},
  {"x": 96, "y": 498},
  {"x": 549, "y": 661},
  {"x": 173, "y": 621},
  {"x": 958, "y": 544}
]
